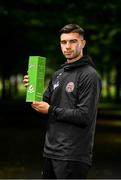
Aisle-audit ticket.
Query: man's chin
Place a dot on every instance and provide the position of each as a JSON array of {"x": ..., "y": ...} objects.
[{"x": 69, "y": 57}]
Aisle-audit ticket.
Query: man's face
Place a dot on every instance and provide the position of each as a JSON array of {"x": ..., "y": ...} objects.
[{"x": 72, "y": 45}]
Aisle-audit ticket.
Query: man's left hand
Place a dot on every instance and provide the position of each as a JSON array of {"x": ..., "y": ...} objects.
[{"x": 41, "y": 107}]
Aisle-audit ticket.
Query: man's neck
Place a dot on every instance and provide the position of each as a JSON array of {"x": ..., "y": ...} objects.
[{"x": 69, "y": 61}]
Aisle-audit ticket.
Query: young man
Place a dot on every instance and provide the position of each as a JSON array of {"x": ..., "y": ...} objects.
[{"x": 71, "y": 104}]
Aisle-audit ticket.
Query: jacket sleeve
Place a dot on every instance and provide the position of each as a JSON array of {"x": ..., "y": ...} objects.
[
  {"x": 86, "y": 107},
  {"x": 47, "y": 93}
]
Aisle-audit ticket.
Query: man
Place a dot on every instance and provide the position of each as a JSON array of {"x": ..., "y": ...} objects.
[{"x": 71, "y": 104}]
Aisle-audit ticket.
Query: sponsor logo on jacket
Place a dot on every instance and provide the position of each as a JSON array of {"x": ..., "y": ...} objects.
[{"x": 56, "y": 85}]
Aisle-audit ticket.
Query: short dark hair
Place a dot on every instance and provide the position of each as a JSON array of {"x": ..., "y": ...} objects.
[{"x": 72, "y": 28}]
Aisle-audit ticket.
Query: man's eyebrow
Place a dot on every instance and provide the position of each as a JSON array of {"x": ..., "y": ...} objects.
[{"x": 68, "y": 40}]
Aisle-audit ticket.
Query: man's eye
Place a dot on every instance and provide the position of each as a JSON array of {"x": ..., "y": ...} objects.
[
  {"x": 63, "y": 42},
  {"x": 73, "y": 41},
  {"x": 70, "y": 41}
]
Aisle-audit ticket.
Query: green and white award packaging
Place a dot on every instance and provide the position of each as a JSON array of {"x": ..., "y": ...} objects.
[{"x": 36, "y": 73}]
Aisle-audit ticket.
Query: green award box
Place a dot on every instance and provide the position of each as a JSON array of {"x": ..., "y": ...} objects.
[{"x": 36, "y": 73}]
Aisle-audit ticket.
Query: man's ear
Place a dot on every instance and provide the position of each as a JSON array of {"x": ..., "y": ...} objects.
[{"x": 83, "y": 43}]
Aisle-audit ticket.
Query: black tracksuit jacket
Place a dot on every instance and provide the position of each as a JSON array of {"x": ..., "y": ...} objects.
[{"x": 73, "y": 95}]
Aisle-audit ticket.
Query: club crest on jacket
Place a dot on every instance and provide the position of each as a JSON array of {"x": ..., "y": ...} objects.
[{"x": 70, "y": 87}]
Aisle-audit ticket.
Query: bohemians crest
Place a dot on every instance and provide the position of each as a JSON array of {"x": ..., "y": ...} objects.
[{"x": 70, "y": 87}]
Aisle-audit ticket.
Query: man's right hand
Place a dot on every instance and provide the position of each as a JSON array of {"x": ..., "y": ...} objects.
[{"x": 26, "y": 80}]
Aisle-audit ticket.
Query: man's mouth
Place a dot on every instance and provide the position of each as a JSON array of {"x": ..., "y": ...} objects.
[{"x": 68, "y": 53}]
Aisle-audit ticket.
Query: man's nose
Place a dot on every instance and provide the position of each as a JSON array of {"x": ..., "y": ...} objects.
[{"x": 68, "y": 45}]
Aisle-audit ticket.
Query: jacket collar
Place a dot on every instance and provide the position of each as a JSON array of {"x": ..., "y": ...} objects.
[{"x": 85, "y": 60}]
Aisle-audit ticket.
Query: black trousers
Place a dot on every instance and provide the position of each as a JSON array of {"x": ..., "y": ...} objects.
[{"x": 61, "y": 169}]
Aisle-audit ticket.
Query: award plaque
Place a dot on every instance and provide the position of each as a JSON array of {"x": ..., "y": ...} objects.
[{"x": 36, "y": 73}]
